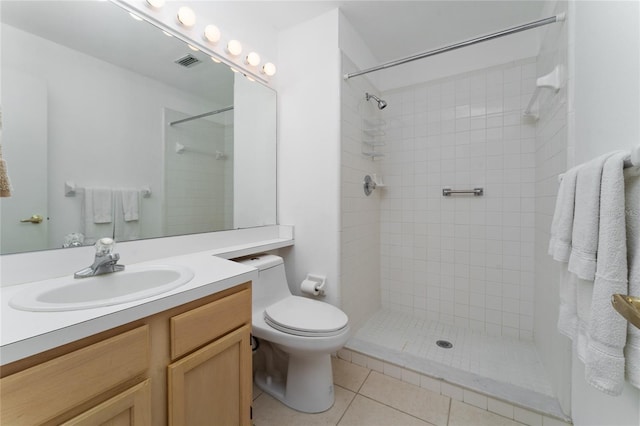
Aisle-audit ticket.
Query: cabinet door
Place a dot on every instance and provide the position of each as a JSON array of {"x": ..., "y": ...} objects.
[
  {"x": 212, "y": 386},
  {"x": 129, "y": 408}
]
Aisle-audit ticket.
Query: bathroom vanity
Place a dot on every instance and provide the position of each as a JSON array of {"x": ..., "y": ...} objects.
[{"x": 182, "y": 357}]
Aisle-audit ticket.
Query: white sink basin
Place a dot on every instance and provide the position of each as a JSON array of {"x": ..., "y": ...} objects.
[{"x": 134, "y": 283}]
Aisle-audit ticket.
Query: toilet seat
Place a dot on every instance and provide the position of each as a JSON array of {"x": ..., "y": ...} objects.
[{"x": 301, "y": 316}]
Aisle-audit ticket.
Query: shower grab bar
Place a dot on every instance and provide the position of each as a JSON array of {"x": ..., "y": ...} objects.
[
  {"x": 447, "y": 192},
  {"x": 546, "y": 21}
]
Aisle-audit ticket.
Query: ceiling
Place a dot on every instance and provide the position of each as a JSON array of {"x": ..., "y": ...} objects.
[{"x": 395, "y": 29}]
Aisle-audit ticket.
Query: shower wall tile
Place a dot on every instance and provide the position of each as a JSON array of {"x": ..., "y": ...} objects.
[{"x": 465, "y": 261}]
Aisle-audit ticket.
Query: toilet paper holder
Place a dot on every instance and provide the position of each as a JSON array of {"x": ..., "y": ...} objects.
[{"x": 314, "y": 285}]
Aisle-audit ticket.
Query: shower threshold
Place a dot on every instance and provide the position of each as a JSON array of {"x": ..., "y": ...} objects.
[{"x": 504, "y": 368}]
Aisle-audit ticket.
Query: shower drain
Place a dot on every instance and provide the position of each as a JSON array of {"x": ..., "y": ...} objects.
[{"x": 444, "y": 344}]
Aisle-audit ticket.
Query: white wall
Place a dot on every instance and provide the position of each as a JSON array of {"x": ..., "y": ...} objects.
[
  {"x": 605, "y": 59},
  {"x": 309, "y": 149},
  {"x": 551, "y": 159},
  {"x": 499, "y": 51}
]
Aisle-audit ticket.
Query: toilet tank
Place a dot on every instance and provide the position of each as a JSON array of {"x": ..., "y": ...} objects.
[{"x": 271, "y": 285}]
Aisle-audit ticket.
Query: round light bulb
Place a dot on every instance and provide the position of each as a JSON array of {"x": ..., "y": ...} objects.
[
  {"x": 269, "y": 69},
  {"x": 233, "y": 69},
  {"x": 234, "y": 47},
  {"x": 216, "y": 60},
  {"x": 186, "y": 16},
  {"x": 156, "y": 3},
  {"x": 195, "y": 49},
  {"x": 253, "y": 59},
  {"x": 212, "y": 33}
]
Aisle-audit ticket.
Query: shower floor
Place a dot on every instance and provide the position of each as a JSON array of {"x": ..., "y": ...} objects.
[{"x": 501, "y": 367}]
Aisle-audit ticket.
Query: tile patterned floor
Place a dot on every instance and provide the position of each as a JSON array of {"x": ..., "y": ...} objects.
[{"x": 369, "y": 398}]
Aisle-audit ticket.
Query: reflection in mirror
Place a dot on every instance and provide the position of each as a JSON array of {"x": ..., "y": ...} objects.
[{"x": 111, "y": 106}]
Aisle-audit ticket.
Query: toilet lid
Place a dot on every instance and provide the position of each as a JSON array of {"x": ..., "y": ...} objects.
[{"x": 305, "y": 317}]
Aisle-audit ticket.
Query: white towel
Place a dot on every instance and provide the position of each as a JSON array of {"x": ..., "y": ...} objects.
[
  {"x": 584, "y": 238},
  {"x": 93, "y": 230},
  {"x": 130, "y": 204},
  {"x": 102, "y": 205},
  {"x": 632, "y": 191},
  {"x": 607, "y": 330},
  {"x": 562, "y": 224},
  {"x": 124, "y": 230}
]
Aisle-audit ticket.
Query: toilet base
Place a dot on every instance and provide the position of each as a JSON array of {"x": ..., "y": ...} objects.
[{"x": 309, "y": 384}]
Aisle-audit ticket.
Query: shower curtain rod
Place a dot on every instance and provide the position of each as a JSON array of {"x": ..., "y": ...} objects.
[
  {"x": 206, "y": 114},
  {"x": 558, "y": 18}
]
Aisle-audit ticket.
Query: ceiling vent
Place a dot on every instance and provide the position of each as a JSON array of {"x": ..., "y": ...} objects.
[{"x": 188, "y": 61}]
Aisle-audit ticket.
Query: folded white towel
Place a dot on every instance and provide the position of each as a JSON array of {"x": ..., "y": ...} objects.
[
  {"x": 102, "y": 205},
  {"x": 632, "y": 195},
  {"x": 584, "y": 238},
  {"x": 93, "y": 229},
  {"x": 604, "y": 365},
  {"x": 124, "y": 230},
  {"x": 562, "y": 224},
  {"x": 130, "y": 204}
]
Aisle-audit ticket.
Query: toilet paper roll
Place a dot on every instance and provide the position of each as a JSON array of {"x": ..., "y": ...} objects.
[{"x": 309, "y": 287}]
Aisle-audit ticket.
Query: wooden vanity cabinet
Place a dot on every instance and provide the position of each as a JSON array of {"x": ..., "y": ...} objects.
[{"x": 189, "y": 365}]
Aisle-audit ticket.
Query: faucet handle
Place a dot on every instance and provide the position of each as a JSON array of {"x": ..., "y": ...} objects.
[{"x": 104, "y": 246}]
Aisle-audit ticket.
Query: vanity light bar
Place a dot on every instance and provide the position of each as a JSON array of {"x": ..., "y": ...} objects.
[{"x": 185, "y": 19}]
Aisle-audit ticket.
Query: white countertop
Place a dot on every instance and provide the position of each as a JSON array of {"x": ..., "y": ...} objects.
[{"x": 27, "y": 333}]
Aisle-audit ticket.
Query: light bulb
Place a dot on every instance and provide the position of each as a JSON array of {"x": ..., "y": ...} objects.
[
  {"x": 216, "y": 60},
  {"x": 212, "y": 33},
  {"x": 252, "y": 59},
  {"x": 269, "y": 69},
  {"x": 195, "y": 49},
  {"x": 233, "y": 69},
  {"x": 156, "y": 3},
  {"x": 186, "y": 16},
  {"x": 234, "y": 47}
]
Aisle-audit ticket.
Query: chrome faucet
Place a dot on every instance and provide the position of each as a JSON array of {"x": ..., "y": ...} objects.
[{"x": 105, "y": 261}]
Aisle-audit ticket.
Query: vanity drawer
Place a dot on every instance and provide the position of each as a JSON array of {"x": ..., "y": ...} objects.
[
  {"x": 63, "y": 383},
  {"x": 197, "y": 327}
]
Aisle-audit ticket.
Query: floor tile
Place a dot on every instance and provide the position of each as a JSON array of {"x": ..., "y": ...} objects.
[
  {"x": 366, "y": 412},
  {"x": 348, "y": 375},
  {"x": 268, "y": 411},
  {"x": 464, "y": 415},
  {"x": 407, "y": 398}
]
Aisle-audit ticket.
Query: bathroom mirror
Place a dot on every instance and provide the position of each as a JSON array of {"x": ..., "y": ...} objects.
[{"x": 94, "y": 100}]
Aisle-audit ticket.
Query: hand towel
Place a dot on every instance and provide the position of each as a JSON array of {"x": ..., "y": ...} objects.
[
  {"x": 632, "y": 195},
  {"x": 605, "y": 363},
  {"x": 102, "y": 206},
  {"x": 124, "y": 230},
  {"x": 562, "y": 224},
  {"x": 584, "y": 238},
  {"x": 92, "y": 230},
  {"x": 130, "y": 204}
]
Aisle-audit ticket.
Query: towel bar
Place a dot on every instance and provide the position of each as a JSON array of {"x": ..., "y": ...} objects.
[{"x": 447, "y": 192}]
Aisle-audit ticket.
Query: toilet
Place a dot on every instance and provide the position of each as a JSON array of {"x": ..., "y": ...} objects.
[{"x": 297, "y": 336}]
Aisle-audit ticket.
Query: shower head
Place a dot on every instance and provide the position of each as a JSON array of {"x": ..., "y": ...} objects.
[{"x": 381, "y": 104}]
